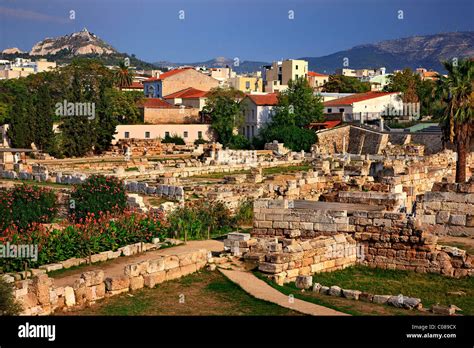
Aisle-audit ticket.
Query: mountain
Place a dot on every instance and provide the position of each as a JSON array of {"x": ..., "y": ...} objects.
[
  {"x": 80, "y": 43},
  {"x": 12, "y": 50},
  {"x": 63, "y": 49},
  {"x": 245, "y": 66},
  {"x": 416, "y": 51}
]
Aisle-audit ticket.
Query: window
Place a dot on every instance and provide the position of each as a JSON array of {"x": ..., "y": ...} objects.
[
  {"x": 275, "y": 82},
  {"x": 200, "y": 134},
  {"x": 341, "y": 110},
  {"x": 147, "y": 135},
  {"x": 297, "y": 67},
  {"x": 247, "y": 84},
  {"x": 167, "y": 134},
  {"x": 329, "y": 110},
  {"x": 253, "y": 115},
  {"x": 253, "y": 132},
  {"x": 296, "y": 76},
  {"x": 127, "y": 135},
  {"x": 185, "y": 134}
]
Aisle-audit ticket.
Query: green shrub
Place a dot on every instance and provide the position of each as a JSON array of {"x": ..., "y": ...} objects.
[
  {"x": 174, "y": 139},
  {"x": 97, "y": 195},
  {"x": 8, "y": 305},
  {"x": 239, "y": 142},
  {"x": 198, "y": 218},
  {"x": 244, "y": 213},
  {"x": 200, "y": 141},
  {"x": 26, "y": 204}
]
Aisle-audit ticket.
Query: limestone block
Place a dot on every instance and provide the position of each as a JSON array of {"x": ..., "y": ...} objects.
[
  {"x": 117, "y": 283},
  {"x": 93, "y": 277},
  {"x": 70, "y": 299},
  {"x": 351, "y": 294},
  {"x": 304, "y": 282},
  {"x": 150, "y": 280},
  {"x": 381, "y": 299},
  {"x": 335, "y": 290}
]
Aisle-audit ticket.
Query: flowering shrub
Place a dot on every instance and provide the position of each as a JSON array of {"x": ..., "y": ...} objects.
[
  {"x": 26, "y": 204},
  {"x": 97, "y": 194},
  {"x": 88, "y": 236}
]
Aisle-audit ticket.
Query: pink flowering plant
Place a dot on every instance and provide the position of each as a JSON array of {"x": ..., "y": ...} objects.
[
  {"x": 97, "y": 194},
  {"x": 24, "y": 205}
]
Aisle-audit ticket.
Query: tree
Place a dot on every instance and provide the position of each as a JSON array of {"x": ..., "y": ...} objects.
[
  {"x": 297, "y": 108},
  {"x": 456, "y": 90},
  {"x": 223, "y": 107},
  {"x": 407, "y": 82},
  {"x": 43, "y": 118},
  {"x": 123, "y": 106},
  {"x": 123, "y": 76},
  {"x": 105, "y": 122},
  {"x": 345, "y": 84},
  {"x": 20, "y": 130}
]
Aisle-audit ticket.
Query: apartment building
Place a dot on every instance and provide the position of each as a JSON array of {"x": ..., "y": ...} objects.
[
  {"x": 277, "y": 75},
  {"x": 257, "y": 110},
  {"x": 247, "y": 84}
]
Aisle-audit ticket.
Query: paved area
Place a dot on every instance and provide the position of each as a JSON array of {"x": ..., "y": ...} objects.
[
  {"x": 115, "y": 267},
  {"x": 261, "y": 290}
]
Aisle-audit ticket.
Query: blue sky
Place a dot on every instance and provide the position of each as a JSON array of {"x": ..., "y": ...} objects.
[{"x": 248, "y": 29}]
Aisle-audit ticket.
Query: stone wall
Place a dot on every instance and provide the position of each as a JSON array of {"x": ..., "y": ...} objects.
[
  {"x": 334, "y": 141},
  {"x": 172, "y": 192},
  {"x": 39, "y": 295},
  {"x": 286, "y": 259},
  {"x": 171, "y": 115},
  {"x": 389, "y": 240},
  {"x": 448, "y": 209}
]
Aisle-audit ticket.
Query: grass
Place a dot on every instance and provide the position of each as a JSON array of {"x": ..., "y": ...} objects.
[
  {"x": 204, "y": 293},
  {"x": 286, "y": 169},
  {"x": 131, "y": 169},
  {"x": 430, "y": 288},
  {"x": 33, "y": 182},
  {"x": 220, "y": 175}
]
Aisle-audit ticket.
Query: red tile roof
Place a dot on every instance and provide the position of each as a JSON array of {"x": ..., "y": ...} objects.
[
  {"x": 155, "y": 103},
  {"x": 135, "y": 85},
  {"x": 187, "y": 93},
  {"x": 264, "y": 99},
  {"x": 355, "y": 98},
  {"x": 167, "y": 74},
  {"x": 312, "y": 73}
]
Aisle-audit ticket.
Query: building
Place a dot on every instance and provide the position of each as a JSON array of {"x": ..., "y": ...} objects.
[
  {"x": 277, "y": 75},
  {"x": 257, "y": 109},
  {"x": 22, "y": 67},
  {"x": 177, "y": 80},
  {"x": 189, "y": 132},
  {"x": 327, "y": 96},
  {"x": 363, "y": 107},
  {"x": 135, "y": 86},
  {"x": 317, "y": 80},
  {"x": 158, "y": 111},
  {"x": 247, "y": 84},
  {"x": 222, "y": 74},
  {"x": 189, "y": 97},
  {"x": 427, "y": 75},
  {"x": 360, "y": 73}
]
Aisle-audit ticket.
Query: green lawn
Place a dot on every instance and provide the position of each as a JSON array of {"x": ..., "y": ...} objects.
[
  {"x": 202, "y": 293},
  {"x": 430, "y": 288},
  {"x": 33, "y": 182},
  {"x": 286, "y": 169}
]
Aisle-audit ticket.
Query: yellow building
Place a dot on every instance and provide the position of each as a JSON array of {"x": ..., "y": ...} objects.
[
  {"x": 246, "y": 84},
  {"x": 280, "y": 73}
]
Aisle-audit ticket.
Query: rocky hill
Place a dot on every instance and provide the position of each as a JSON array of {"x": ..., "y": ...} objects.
[{"x": 81, "y": 43}]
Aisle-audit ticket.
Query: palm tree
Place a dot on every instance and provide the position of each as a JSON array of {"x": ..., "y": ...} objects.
[
  {"x": 456, "y": 91},
  {"x": 123, "y": 76}
]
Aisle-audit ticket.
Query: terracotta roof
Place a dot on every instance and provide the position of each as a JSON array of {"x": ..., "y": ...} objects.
[
  {"x": 312, "y": 73},
  {"x": 355, "y": 98},
  {"x": 155, "y": 103},
  {"x": 187, "y": 93},
  {"x": 168, "y": 74},
  {"x": 135, "y": 85},
  {"x": 264, "y": 99},
  {"x": 430, "y": 74},
  {"x": 325, "y": 124}
]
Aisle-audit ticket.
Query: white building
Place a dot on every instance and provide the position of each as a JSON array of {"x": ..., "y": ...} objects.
[
  {"x": 257, "y": 109},
  {"x": 362, "y": 107}
]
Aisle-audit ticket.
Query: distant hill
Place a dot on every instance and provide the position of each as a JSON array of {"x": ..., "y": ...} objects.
[
  {"x": 63, "y": 49},
  {"x": 221, "y": 62},
  {"x": 416, "y": 51}
]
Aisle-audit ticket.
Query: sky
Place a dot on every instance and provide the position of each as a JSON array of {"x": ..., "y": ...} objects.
[{"x": 259, "y": 30}]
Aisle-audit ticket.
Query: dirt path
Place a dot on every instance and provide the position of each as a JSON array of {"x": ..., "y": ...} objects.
[
  {"x": 115, "y": 267},
  {"x": 261, "y": 290}
]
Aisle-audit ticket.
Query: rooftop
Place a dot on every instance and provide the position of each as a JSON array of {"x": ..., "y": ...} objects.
[
  {"x": 168, "y": 74},
  {"x": 264, "y": 99},
  {"x": 349, "y": 100},
  {"x": 187, "y": 93}
]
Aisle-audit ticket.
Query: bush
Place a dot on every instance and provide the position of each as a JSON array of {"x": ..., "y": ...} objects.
[
  {"x": 8, "y": 305},
  {"x": 198, "y": 218},
  {"x": 244, "y": 213},
  {"x": 293, "y": 137},
  {"x": 239, "y": 142},
  {"x": 98, "y": 194},
  {"x": 26, "y": 204},
  {"x": 93, "y": 235},
  {"x": 174, "y": 139},
  {"x": 200, "y": 141}
]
